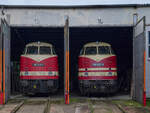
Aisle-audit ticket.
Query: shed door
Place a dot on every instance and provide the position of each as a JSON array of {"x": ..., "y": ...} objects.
[
  {"x": 138, "y": 60},
  {"x": 4, "y": 61}
]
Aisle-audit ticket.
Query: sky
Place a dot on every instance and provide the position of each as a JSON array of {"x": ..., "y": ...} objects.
[{"x": 72, "y": 2}]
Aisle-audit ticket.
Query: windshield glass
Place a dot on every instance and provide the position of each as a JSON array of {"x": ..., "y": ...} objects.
[
  {"x": 90, "y": 51},
  {"x": 45, "y": 50},
  {"x": 32, "y": 50},
  {"x": 103, "y": 50}
]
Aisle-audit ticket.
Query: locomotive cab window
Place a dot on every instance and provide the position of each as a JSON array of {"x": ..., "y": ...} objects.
[
  {"x": 45, "y": 50},
  {"x": 103, "y": 50},
  {"x": 90, "y": 50},
  {"x": 32, "y": 50}
]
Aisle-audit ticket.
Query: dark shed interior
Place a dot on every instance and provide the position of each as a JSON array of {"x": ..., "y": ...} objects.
[{"x": 119, "y": 37}]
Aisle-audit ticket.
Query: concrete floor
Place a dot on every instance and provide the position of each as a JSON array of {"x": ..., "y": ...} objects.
[
  {"x": 60, "y": 95},
  {"x": 46, "y": 105}
]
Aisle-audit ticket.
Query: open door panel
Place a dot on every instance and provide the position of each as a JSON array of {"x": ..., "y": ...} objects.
[
  {"x": 4, "y": 61},
  {"x": 139, "y": 61}
]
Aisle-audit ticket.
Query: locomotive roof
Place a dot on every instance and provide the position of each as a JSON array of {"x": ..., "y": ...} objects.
[
  {"x": 96, "y": 44},
  {"x": 39, "y": 44}
]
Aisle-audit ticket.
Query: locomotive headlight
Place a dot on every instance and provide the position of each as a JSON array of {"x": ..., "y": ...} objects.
[
  {"x": 55, "y": 73},
  {"x": 86, "y": 73},
  {"x": 50, "y": 73},
  {"x": 26, "y": 73}
]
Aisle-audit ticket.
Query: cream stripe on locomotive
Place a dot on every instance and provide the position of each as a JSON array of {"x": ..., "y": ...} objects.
[
  {"x": 96, "y": 57},
  {"x": 39, "y": 58},
  {"x": 93, "y": 69},
  {"x": 38, "y": 73},
  {"x": 97, "y": 74}
]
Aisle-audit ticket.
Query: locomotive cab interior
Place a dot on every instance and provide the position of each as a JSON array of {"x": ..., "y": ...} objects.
[{"x": 120, "y": 39}]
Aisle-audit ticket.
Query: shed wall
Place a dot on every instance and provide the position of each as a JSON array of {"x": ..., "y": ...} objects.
[{"x": 78, "y": 17}]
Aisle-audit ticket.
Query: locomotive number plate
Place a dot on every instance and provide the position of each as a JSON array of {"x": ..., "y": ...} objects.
[
  {"x": 38, "y": 65},
  {"x": 98, "y": 64}
]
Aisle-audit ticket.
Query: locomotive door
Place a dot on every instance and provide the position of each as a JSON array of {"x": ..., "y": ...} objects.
[
  {"x": 4, "y": 61},
  {"x": 139, "y": 61}
]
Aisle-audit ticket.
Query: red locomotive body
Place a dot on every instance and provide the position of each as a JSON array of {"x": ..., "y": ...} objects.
[
  {"x": 97, "y": 68},
  {"x": 39, "y": 68}
]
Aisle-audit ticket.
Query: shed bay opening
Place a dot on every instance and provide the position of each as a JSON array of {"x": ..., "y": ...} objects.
[{"x": 119, "y": 37}]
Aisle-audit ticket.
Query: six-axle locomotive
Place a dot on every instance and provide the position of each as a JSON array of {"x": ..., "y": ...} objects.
[
  {"x": 39, "y": 68},
  {"x": 97, "y": 68}
]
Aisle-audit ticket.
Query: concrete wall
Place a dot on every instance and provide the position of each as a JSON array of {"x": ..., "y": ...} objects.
[{"x": 77, "y": 17}]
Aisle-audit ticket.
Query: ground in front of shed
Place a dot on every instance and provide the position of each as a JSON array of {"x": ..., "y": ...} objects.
[{"x": 77, "y": 105}]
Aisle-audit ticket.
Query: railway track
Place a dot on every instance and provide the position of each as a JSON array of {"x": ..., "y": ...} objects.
[
  {"x": 47, "y": 106},
  {"x": 120, "y": 108},
  {"x": 18, "y": 107},
  {"x": 50, "y": 106},
  {"x": 32, "y": 107},
  {"x": 27, "y": 106}
]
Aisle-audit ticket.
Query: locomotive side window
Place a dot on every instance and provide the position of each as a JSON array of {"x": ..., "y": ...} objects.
[
  {"x": 91, "y": 50},
  {"x": 103, "y": 50},
  {"x": 32, "y": 50},
  {"x": 24, "y": 52},
  {"x": 53, "y": 51},
  {"x": 45, "y": 50},
  {"x": 82, "y": 51},
  {"x": 112, "y": 51}
]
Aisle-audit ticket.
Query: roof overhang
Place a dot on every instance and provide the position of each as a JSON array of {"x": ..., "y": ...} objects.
[{"x": 75, "y": 6}]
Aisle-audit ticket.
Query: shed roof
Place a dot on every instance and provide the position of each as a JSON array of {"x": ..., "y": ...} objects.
[{"x": 73, "y": 3}]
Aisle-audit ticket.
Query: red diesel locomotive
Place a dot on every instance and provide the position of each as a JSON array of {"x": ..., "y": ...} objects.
[
  {"x": 97, "y": 68},
  {"x": 39, "y": 68}
]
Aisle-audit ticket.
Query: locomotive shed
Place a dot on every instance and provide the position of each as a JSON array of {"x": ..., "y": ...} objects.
[{"x": 125, "y": 27}]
